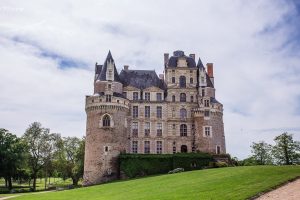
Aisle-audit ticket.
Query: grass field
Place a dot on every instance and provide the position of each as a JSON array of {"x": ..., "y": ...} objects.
[{"x": 222, "y": 183}]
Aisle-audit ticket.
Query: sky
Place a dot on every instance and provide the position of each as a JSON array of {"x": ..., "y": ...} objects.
[{"x": 48, "y": 51}]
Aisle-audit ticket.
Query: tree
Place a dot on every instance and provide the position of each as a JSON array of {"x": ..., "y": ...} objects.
[
  {"x": 71, "y": 158},
  {"x": 40, "y": 146},
  {"x": 286, "y": 151},
  {"x": 11, "y": 156},
  {"x": 262, "y": 152}
]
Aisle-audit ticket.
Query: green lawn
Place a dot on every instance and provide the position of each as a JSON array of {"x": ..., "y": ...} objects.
[{"x": 223, "y": 183}]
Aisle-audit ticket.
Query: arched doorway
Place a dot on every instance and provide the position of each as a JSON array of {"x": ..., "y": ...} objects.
[{"x": 183, "y": 149}]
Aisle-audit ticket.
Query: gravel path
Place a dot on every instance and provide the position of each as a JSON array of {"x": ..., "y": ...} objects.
[{"x": 290, "y": 191}]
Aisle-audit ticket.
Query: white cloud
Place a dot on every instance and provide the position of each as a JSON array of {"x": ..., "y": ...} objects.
[{"x": 256, "y": 70}]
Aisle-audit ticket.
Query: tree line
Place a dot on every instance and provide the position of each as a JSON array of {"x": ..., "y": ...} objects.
[
  {"x": 286, "y": 151},
  {"x": 39, "y": 153}
]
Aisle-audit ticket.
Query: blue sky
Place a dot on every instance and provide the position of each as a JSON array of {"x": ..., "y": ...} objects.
[{"x": 48, "y": 52}]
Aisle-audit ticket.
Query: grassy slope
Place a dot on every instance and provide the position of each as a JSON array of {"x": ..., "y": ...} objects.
[{"x": 223, "y": 183}]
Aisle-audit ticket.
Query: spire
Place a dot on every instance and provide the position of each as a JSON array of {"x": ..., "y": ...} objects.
[
  {"x": 200, "y": 64},
  {"x": 109, "y": 61},
  {"x": 109, "y": 56}
]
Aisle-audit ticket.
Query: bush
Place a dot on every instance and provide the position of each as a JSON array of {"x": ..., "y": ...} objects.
[
  {"x": 134, "y": 165},
  {"x": 221, "y": 164}
]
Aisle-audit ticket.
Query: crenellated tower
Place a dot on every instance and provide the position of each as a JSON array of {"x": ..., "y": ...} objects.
[{"x": 106, "y": 133}]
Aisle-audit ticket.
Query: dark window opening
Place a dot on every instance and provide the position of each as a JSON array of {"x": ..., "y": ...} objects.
[
  {"x": 106, "y": 121},
  {"x": 182, "y": 81},
  {"x": 183, "y": 149}
]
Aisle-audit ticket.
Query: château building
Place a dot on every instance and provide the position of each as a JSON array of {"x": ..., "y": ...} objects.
[{"x": 136, "y": 111}]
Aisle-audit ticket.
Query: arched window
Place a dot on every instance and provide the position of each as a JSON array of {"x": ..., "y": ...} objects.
[
  {"x": 183, "y": 114},
  {"x": 182, "y": 81},
  {"x": 173, "y": 98},
  {"x": 191, "y": 80},
  {"x": 182, "y": 97},
  {"x": 218, "y": 150},
  {"x": 183, "y": 130},
  {"x": 106, "y": 121},
  {"x": 183, "y": 149}
]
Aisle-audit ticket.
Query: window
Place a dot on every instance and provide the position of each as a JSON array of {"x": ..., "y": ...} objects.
[
  {"x": 135, "y": 111},
  {"x": 125, "y": 94},
  {"x": 147, "y": 147},
  {"x": 218, "y": 149},
  {"x": 182, "y": 82},
  {"x": 174, "y": 126},
  {"x": 191, "y": 80},
  {"x": 192, "y": 99},
  {"x": 159, "y": 112},
  {"x": 135, "y": 96},
  {"x": 147, "y": 111},
  {"x": 173, "y": 79},
  {"x": 202, "y": 79},
  {"x": 183, "y": 130},
  {"x": 182, "y": 97},
  {"x": 158, "y": 97},
  {"x": 159, "y": 129},
  {"x": 207, "y": 132},
  {"x": 206, "y": 103},
  {"x": 108, "y": 98},
  {"x": 147, "y": 129},
  {"x": 183, "y": 114},
  {"x": 106, "y": 121},
  {"x": 173, "y": 112},
  {"x": 173, "y": 98},
  {"x": 174, "y": 149},
  {"x": 109, "y": 86},
  {"x": 106, "y": 148},
  {"x": 183, "y": 149},
  {"x": 206, "y": 113},
  {"x": 203, "y": 92},
  {"x": 134, "y": 147},
  {"x": 158, "y": 147},
  {"x": 135, "y": 129},
  {"x": 147, "y": 96}
]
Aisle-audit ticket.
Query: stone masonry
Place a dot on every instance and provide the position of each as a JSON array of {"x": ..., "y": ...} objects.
[{"x": 137, "y": 111}]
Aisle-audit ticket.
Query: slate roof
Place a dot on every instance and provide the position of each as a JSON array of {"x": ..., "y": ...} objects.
[
  {"x": 98, "y": 68},
  {"x": 200, "y": 64},
  {"x": 214, "y": 100},
  {"x": 141, "y": 79},
  {"x": 102, "y": 76},
  {"x": 179, "y": 54}
]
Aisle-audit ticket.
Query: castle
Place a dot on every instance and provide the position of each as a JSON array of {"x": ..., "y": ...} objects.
[{"x": 137, "y": 111}]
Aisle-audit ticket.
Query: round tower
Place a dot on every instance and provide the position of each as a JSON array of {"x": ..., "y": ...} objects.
[{"x": 106, "y": 127}]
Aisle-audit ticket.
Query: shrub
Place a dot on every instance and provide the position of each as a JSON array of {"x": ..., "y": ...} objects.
[
  {"x": 221, "y": 164},
  {"x": 134, "y": 165}
]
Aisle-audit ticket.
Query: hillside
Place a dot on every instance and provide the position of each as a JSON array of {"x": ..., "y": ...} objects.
[{"x": 222, "y": 183}]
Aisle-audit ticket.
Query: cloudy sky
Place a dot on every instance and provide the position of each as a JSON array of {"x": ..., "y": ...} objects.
[{"x": 48, "y": 51}]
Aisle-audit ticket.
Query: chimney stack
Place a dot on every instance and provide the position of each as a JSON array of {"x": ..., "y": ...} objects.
[
  {"x": 126, "y": 67},
  {"x": 210, "y": 69},
  {"x": 166, "y": 58},
  {"x": 210, "y": 72},
  {"x": 192, "y": 55}
]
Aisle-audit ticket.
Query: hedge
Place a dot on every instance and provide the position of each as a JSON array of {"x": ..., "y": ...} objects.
[{"x": 134, "y": 165}]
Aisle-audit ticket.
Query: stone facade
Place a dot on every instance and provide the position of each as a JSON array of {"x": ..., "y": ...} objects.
[{"x": 138, "y": 112}]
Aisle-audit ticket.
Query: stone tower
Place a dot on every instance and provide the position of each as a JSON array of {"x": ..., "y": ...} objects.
[{"x": 106, "y": 130}]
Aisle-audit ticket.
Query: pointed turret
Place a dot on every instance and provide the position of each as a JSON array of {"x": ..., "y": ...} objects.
[
  {"x": 109, "y": 71},
  {"x": 200, "y": 64}
]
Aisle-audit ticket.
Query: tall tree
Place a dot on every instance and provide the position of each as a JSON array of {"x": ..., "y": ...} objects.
[
  {"x": 40, "y": 145},
  {"x": 261, "y": 152},
  {"x": 11, "y": 155},
  {"x": 70, "y": 158},
  {"x": 286, "y": 151}
]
